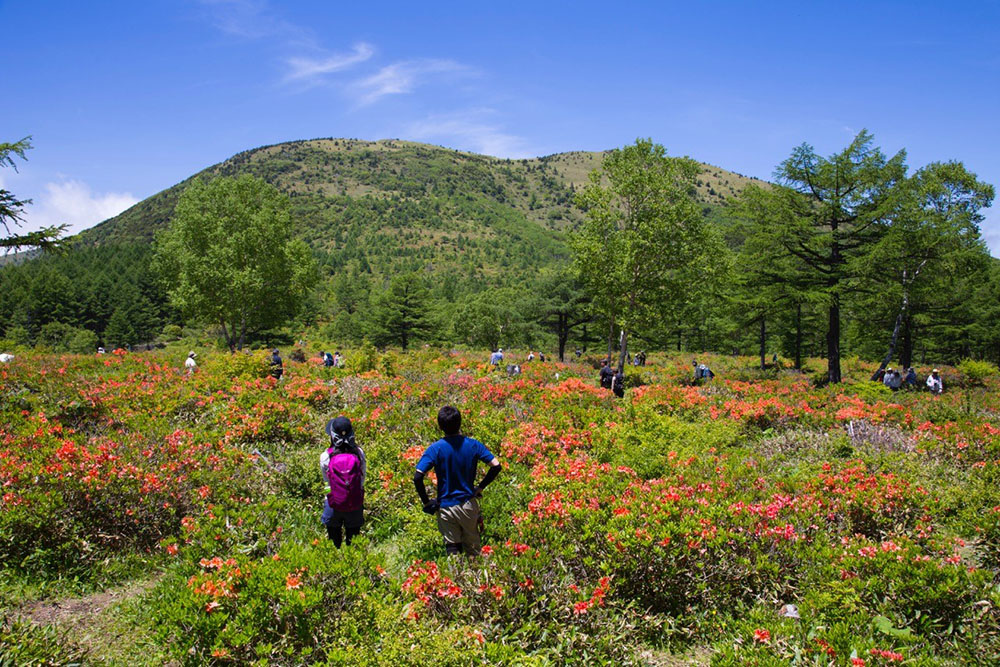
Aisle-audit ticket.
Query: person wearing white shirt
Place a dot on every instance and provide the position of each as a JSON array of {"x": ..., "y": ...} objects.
[
  {"x": 190, "y": 364},
  {"x": 934, "y": 382}
]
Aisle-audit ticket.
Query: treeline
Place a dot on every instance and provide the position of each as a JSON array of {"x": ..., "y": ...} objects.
[
  {"x": 82, "y": 297},
  {"x": 852, "y": 249}
]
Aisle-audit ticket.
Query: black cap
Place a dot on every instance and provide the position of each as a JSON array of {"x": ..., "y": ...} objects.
[{"x": 341, "y": 426}]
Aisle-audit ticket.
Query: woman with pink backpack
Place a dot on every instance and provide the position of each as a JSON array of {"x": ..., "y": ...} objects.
[{"x": 344, "y": 468}]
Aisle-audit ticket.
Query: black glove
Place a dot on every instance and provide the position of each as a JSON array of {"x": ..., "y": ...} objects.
[{"x": 431, "y": 507}]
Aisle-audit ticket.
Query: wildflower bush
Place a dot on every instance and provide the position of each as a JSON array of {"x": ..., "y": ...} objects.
[{"x": 682, "y": 517}]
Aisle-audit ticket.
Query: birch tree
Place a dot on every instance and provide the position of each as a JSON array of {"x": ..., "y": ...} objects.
[
  {"x": 639, "y": 247},
  {"x": 228, "y": 257}
]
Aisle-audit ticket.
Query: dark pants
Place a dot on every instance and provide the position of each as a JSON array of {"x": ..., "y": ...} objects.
[{"x": 344, "y": 526}]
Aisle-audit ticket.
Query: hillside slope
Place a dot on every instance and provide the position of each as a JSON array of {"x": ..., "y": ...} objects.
[{"x": 392, "y": 205}]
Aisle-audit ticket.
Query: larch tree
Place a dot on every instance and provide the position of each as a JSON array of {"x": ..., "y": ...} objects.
[
  {"x": 935, "y": 233},
  {"x": 401, "y": 313},
  {"x": 823, "y": 216},
  {"x": 563, "y": 305},
  {"x": 12, "y": 208}
]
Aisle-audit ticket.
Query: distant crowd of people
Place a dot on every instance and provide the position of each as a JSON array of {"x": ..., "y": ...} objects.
[{"x": 894, "y": 379}]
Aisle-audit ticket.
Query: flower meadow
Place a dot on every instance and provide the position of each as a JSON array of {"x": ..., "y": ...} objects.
[{"x": 677, "y": 523}]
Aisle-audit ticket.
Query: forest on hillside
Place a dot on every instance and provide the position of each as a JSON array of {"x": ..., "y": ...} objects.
[{"x": 481, "y": 247}]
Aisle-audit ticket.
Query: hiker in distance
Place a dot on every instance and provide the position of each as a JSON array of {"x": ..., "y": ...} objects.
[
  {"x": 934, "y": 382},
  {"x": 455, "y": 457},
  {"x": 607, "y": 374},
  {"x": 190, "y": 364},
  {"x": 277, "y": 367},
  {"x": 344, "y": 468},
  {"x": 618, "y": 383}
]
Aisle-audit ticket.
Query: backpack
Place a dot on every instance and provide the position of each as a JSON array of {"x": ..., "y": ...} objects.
[{"x": 346, "y": 492}]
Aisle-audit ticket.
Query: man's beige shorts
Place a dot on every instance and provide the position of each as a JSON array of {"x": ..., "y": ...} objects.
[{"x": 459, "y": 524}]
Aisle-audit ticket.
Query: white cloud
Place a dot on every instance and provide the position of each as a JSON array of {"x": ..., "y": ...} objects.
[
  {"x": 402, "y": 77},
  {"x": 313, "y": 69},
  {"x": 74, "y": 204},
  {"x": 250, "y": 19},
  {"x": 470, "y": 130}
]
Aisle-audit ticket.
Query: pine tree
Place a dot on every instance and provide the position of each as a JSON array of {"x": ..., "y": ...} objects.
[{"x": 400, "y": 314}]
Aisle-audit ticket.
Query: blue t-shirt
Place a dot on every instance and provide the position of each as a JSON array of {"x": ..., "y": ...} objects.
[{"x": 454, "y": 457}]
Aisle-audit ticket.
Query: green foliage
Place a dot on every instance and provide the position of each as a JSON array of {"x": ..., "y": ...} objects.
[
  {"x": 82, "y": 342},
  {"x": 83, "y": 287},
  {"x": 871, "y": 391},
  {"x": 12, "y": 208},
  {"x": 244, "y": 365},
  {"x": 172, "y": 332},
  {"x": 400, "y": 314},
  {"x": 974, "y": 373},
  {"x": 643, "y": 239},
  {"x": 229, "y": 259},
  {"x": 22, "y": 643},
  {"x": 468, "y": 224},
  {"x": 365, "y": 359},
  {"x": 492, "y": 319},
  {"x": 681, "y": 517},
  {"x": 17, "y": 335}
]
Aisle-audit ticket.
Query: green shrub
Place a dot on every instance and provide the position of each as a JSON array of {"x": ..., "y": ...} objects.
[
  {"x": 172, "y": 332},
  {"x": 244, "y": 365},
  {"x": 22, "y": 643},
  {"x": 365, "y": 359},
  {"x": 974, "y": 373},
  {"x": 17, "y": 335},
  {"x": 83, "y": 342},
  {"x": 871, "y": 392}
]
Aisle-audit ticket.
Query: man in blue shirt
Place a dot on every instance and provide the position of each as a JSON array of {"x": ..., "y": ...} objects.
[{"x": 455, "y": 457}]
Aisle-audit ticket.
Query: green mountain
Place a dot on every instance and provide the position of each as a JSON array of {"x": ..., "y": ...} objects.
[
  {"x": 369, "y": 211},
  {"x": 388, "y": 206}
]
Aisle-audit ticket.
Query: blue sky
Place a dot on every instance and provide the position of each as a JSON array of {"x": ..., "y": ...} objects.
[{"x": 124, "y": 99}]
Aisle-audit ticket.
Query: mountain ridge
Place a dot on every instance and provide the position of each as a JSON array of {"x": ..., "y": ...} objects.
[{"x": 301, "y": 168}]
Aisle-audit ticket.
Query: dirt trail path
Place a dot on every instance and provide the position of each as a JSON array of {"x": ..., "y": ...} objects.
[{"x": 90, "y": 619}]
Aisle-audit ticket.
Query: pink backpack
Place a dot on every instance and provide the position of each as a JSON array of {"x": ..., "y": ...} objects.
[{"x": 346, "y": 491}]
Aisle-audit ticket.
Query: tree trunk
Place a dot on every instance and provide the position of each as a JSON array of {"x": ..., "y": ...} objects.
[
  {"x": 243, "y": 333},
  {"x": 679, "y": 333},
  {"x": 623, "y": 351},
  {"x": 900, "y": 318},
  {"x": 611, "y": 340},
  {"x": 763, "y": 344},
  {"x": 892, "y": 347},
  {"x": 562, "y": 331},
  {"x": 906, "y": 353},
  {"x": 798, "y": 337},
  {"x": 833, "y": 341},
  {"x": 229, "y": 341}
]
